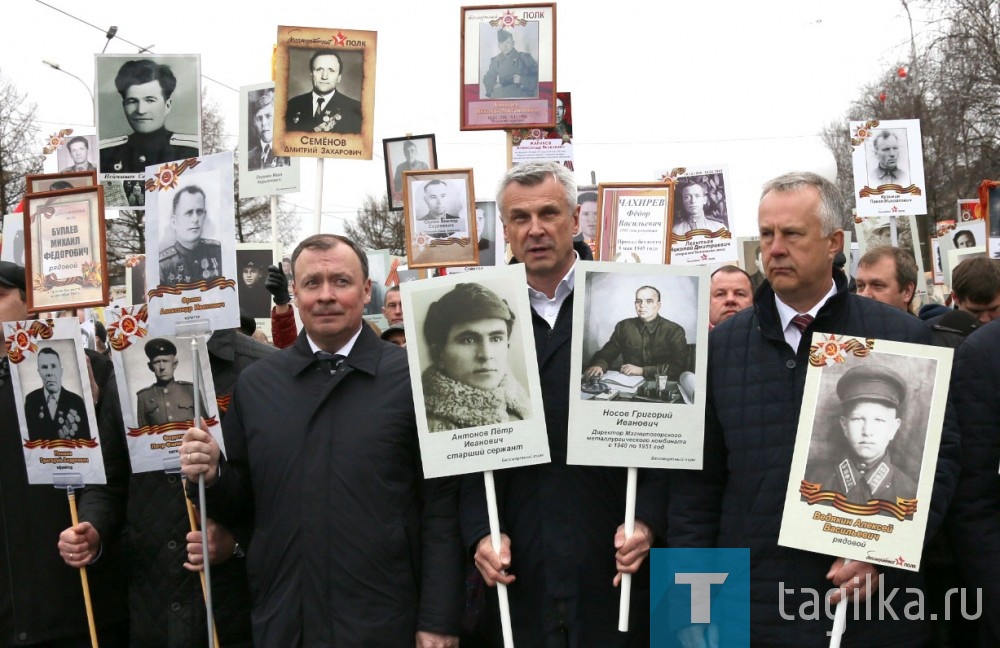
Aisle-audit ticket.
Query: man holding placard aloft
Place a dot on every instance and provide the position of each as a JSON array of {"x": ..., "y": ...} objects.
[
  {"x": 757, "y": 371},
  {"x": 563, "y": 549}
]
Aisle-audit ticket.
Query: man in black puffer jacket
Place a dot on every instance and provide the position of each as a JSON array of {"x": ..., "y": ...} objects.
[{"x": 756, "y": 376}]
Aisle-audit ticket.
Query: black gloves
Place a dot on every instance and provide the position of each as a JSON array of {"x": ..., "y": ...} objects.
[{"x": 277, "y": 285}]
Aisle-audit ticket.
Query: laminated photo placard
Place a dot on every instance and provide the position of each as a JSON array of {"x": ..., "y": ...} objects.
[
  {"x": 475, "y": 379},
  {"x": 866, "y": 449},
  {"x": 888, "y": 162},
  {"x": 263, "y": 172},
  {"x": 190, "y": 231},
  {"x": 896, "y": 231},
  {"x": 54, "y": 401},
  {"x": 637, "y": 397},
  {"x": 155, "y": 380},
  {"x": 700, "y": 227}
]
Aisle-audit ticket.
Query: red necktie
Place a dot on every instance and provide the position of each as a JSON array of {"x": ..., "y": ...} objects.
[{"x": 802, "y": 322}]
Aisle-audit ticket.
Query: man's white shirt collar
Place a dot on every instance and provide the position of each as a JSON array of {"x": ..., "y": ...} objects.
[
  {"x": 344, "y": 350},
  {"x": 548, "y": 309},
  {"x": 786, "y": 313}
]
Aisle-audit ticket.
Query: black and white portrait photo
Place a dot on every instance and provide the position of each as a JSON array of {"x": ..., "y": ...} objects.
[
  {"x": 324, "y": 89},
  {"x": 508, "y": 61},
  {"x": 188, "y": 254},
  {"x": 135, "y": 192},
  {"x": 149, "y": 110},
  {"x": 77, "y": 153},
  {"x": 255, "y": 300},
  {"x": 640, "y": 336},
  {"x": 56, "y": 410},
  {"x": 439, "y": 216},
  {"x": 888, "y": 160},
  {"x": 416, "y": 153},
  {"x": 700, "y": 204},
  {"x": 486, "y": 230},
  {"x": 260, "y": 131}
]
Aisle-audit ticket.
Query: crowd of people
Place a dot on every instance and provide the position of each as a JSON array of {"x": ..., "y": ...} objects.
[{"x": 324, "y": 532}]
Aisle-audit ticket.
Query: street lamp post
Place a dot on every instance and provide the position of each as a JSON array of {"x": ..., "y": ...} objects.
[{"x": 55, "y": 66}]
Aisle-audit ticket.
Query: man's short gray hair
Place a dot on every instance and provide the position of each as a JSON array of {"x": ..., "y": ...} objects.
[
  {"x": 832, "y": 211},
  {"x": 531, "y": 174}
]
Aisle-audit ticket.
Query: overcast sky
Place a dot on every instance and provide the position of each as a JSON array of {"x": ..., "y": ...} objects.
[{"x": 654, "y": 85}]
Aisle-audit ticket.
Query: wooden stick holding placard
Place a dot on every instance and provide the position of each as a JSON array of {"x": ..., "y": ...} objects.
[
  {"x": 70, "y": 482},
  {"x": 318, "y": 220},
  {"x": 491, "y": 507}
]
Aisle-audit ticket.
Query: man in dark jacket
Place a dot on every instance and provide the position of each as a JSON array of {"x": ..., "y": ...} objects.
[
  {"x": 756, "y": 376},
  {"x": 351, "y": 547},
  {"x": 41, "y": 599},
  {"x": 166, "y": 605},
  {"x": 563, "y": 545},
  {"x": 975, "y": 514}
]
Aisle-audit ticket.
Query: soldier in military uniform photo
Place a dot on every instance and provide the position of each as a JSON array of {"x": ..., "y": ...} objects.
[
  {"x": 261, "y": 125},
  {"x": 79, "y": 154},
  {"x": 861, "y": 468},
  {"x": 146, "y": 89},
  {"x": 53, "y": 412},
  {"x": 254, "y": 297},
  {"x": 512, "y": 74},
  {"x": 324, "y": 108},
  {"x": 190, "y": 258},
  {"x": 167, "y": 400},
  {"x": 437, "y": 222}
]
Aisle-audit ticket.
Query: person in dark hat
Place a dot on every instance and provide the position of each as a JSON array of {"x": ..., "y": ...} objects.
[
  {"x": 468, "y": 332},
  {"x": 167, "y": 400},
  {"x": 12, "y": 296},
  {"x": 871, "y": 397},
  {"x": 396, "y": 334},
  {"x": 147, "y": 89},
  {"x": 254, "y": 296},
  {"x": 512, "y": 74}
]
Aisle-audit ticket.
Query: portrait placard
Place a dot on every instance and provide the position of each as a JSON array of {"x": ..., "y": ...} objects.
[
  {"x": 937, "y": 266},
  {"x": 888, "y": 164},
  {"x": 635, "y": 222},
  {"x": 155, "y": 381},
  {"x": 77, "y": 153},
  {"x": 586, "y": 199},
  {"x": 544, "y": 145},
  {"x": 148, "y": 113},
  {"x": 751, "y": 259},
  {"x": 866, "y": 449},
  {"x": 190, "y": 230},
  {"x": 379, "y": 267},
  {"x": 253, "y": 259},
  {"x": 475, "y": 380},
  {"x": 47, "y": 182},
  {"x": 438, "y": 212},
  {"x": 12, "y": 248},
  {"x": 135, "y": 279},
  {"x": 262, "y": 171},
  {"x": 54, "y": 401},
  {"x": 989, "y": 199},
  {"x": 66, "y": 260},
  {"x": 700, "y": 232},
  {"x": 508, "y": 67},
  {"x": 640, "y": 344},
  {"x": 413, "y": 153},
  {"x": 324, "y": 92},
  {"x": 953, "y": 256}
]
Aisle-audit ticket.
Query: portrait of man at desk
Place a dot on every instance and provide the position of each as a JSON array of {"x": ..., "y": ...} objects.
[{"x": 647, "y": 345}]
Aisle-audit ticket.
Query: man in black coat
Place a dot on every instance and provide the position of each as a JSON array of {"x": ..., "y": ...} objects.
[
  {"x": 41, "y": 601},
  {"x": 757, "y": 363},
  {"x": 351, "y": 546},
  {"x": 563, "y": 546},
  {"x": 324, "y": 109}
]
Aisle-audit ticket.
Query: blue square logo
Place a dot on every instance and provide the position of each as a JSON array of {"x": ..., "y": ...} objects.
[{"x": 699, "y": 593}]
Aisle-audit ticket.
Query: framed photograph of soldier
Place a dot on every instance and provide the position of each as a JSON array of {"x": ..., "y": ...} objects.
[
  {"x": 324, "y": 92},
  {"x": 262, "y": 172},
  {"x": 54, "y": 400},
  {"x": 866, "y": 449},
  {"x": 700, "y": 231},
  {"x": 476, "y": 389},
  {"x": 635, "y": 221},
  {"x": 439, "y": 216},
  {"x": 544, "y": 145},
  {"x": 135, "y": 279},
  {"x": 148, "y": 113},
  {"x": 77, "y": 153},
  {"x": 190, "y": 231},
  {"x": 888, "y": 162},
  {"x": 155, "y": 380},
  {"x": 508, "y": 68},
  {"x": 66, "y": 257},
  {"x": 12, "y": 248},
  {"x": 379, "y": 264},
  {"x": 252, "y": 259},
  {"x": 401, "y": 154},
  {"x": 47, "y": 182},
  {"x": 897, "y": 231},
  {"x": 640, "y": 335}
]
